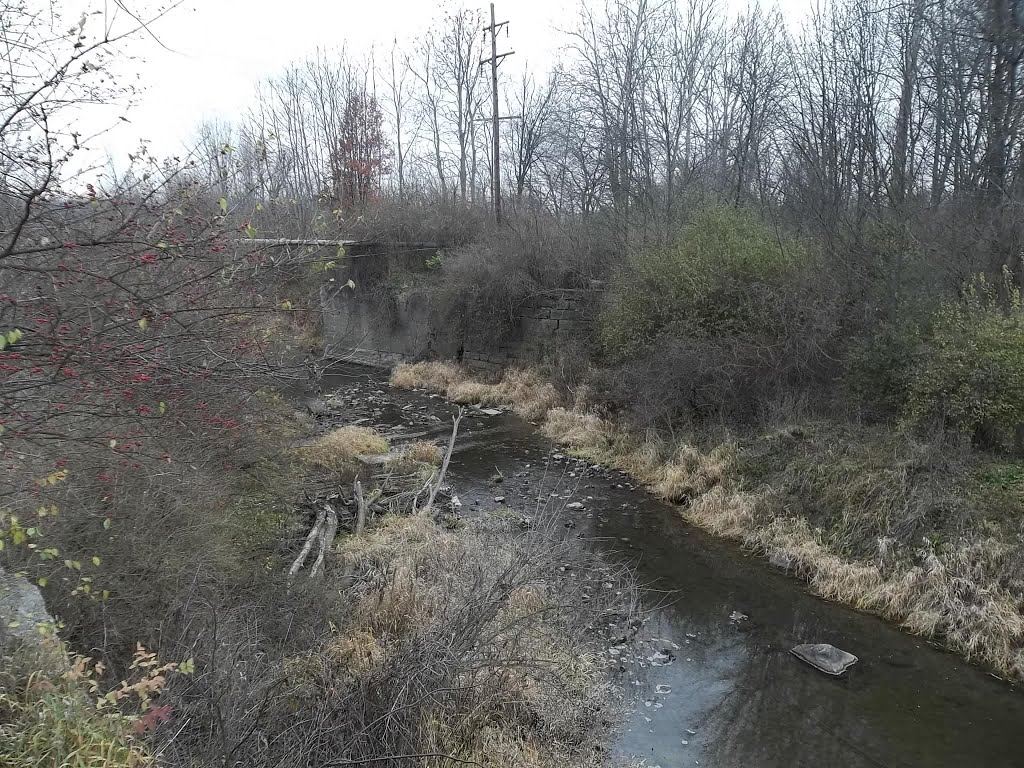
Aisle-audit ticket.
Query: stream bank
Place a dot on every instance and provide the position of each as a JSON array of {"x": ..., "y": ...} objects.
[{"x": 730, "y": 690}]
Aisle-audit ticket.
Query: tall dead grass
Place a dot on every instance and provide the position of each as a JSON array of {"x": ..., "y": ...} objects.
[
  {"x": 464, "y": 643},
  {"x": 524, "y": 391},
  {"x": 952, "y": 595},
  {"x": 956, "y": 593}
]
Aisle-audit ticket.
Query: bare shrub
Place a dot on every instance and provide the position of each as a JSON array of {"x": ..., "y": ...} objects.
[{"x": 457, "y": 643}]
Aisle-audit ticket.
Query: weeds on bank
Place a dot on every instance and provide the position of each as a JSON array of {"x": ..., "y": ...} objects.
[
  {"x": 525, "y": 391},
  {"x": 56, "y": 714},
  {"x": 869, "y": 518},
  {"x": 469, "y": 643}
]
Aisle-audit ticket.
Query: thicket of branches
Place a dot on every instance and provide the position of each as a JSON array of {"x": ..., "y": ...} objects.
[
  {"x": 887, "y": 137},
  {"x": 874, "y": 125}
]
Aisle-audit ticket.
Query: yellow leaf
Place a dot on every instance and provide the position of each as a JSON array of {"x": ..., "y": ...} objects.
[
  {"x": 143, "y": 323},
  {"x": 96, "y": 561},
  {"x": 42, "y": 581}
]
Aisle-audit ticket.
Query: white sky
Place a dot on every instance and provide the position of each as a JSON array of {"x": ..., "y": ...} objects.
[
  {"x": 220, "y": 49},
  {"x": 217, "y": 50}
]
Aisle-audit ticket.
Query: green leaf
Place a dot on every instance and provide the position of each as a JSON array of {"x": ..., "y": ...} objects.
[
  {"x": 223, "y": 205},
  {"x": 163, "y": 407},
  {"x": 259, "y": 206},
  {"x": 250, "y": 231},
  {"x": 106, "y": 523},
  {"x": 341, "y": 252},
  {"x": 96, "y": 561},
  {"x": 143, "y": 323},
  {"x": 42, "y": 581}
]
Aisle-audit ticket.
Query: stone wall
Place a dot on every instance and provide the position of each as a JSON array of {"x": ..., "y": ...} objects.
[{"x": 372, "y": 327}]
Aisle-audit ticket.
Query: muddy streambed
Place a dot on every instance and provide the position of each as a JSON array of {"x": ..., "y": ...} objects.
[{"x": 710, "y": 680}]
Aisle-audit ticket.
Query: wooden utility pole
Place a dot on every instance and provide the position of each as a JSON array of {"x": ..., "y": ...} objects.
[{"x": 495, "y": 119}]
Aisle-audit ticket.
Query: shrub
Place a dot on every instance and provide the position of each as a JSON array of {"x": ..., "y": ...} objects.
[
  {"x": 879, "y": 368},
  {"x": 722, "y": 276},
  {"x": 971, "y": 374}
]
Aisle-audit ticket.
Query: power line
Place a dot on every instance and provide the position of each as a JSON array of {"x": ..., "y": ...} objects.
[{"x": 495, "y": 118}]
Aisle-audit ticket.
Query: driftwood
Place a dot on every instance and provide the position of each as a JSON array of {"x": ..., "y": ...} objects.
[
  {"x": 330, "y": 530},
  {"x": 322, "y": 534},
  {"x": 314, "y": 535},
  {"x": 435, "y": 487},
  {"x": 325, "y": 527}
]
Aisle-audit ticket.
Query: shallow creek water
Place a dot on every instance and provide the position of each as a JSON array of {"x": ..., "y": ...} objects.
[{"x": 706, "y": 686}]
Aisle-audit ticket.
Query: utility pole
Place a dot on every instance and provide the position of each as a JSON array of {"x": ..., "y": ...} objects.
[{"x": 496, "y": 161}]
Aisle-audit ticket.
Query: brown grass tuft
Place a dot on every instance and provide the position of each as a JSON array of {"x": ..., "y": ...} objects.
[
  {"x": 436, "y": 377},
  {"x": 336, "y": 450},
  {"x": 425, "y": 453}
]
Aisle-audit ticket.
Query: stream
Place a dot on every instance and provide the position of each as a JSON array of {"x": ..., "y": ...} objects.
[{"x": 712, "y": 682}]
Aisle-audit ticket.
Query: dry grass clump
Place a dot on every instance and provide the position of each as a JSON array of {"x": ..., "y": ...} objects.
[
  {"x": 358, "y": 651},
  {"x": 336, "y": 450},
  {"x": 686, "y": 474},
  {"x": 691, "y": 473},
  {"x": 423, "y": 452},
  {"x": 579, "y": 431},
  {"x": 525, "y": 391},
  {"x": 469, "y": 643},
  {"x": 433, "y": 376}
]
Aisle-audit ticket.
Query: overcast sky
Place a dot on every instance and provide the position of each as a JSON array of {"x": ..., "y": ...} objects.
[{"x": 217, "y": 50}]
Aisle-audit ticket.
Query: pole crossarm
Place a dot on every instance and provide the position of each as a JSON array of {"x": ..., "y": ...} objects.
[{"x": 494, "y": 60}]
